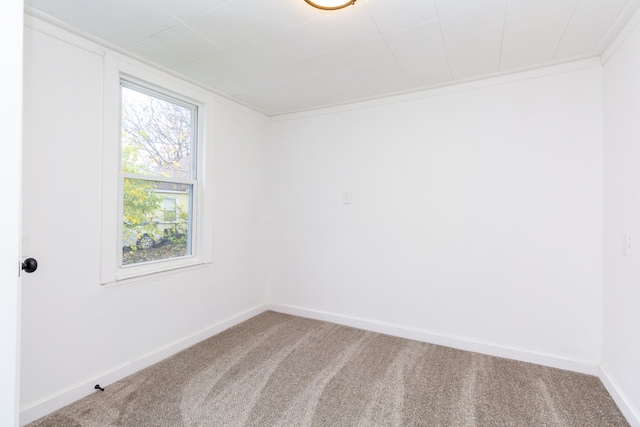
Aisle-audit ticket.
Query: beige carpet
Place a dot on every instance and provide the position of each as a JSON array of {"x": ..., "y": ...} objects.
[{"x": 280, "y": 370}]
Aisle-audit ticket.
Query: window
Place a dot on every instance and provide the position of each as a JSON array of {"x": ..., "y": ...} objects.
[
  {"x": 170, "y": 209},
  {"x": 156, "y": 190},
  {"x": 157, "y": 154}
]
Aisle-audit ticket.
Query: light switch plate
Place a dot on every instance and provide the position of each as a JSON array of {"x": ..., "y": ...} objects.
[
  {"x": 347, "y": 197},
  {"x": 626, "y": 242}
]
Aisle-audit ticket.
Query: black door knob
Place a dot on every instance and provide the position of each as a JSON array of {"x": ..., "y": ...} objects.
[{"x": 29, "y": 265}]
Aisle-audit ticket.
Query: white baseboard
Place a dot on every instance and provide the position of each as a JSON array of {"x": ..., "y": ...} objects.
[
  {"x": 610, "y": 385},
  {"x": 70, "y": 395},
  {"x": 448, "y": 341}
]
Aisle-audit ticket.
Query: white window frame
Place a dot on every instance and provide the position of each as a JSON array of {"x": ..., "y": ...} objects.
[{"x": 116, "y": 69}]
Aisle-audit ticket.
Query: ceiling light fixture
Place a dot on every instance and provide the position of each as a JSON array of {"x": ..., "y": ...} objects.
[{"x": 330, "y": 4}]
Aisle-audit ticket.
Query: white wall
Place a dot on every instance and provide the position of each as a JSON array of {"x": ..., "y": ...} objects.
[
  {"x": 476, "y": 214},
  {"x": 75, "y": 330},
  {"x": 621, "y": 343},
  {"x": 11, "y": 125}
]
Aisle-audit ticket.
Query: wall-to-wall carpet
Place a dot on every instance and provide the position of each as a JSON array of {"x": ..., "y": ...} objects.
[{"x": 281, "y": 370}]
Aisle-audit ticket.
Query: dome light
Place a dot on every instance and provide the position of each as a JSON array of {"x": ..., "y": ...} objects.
[{"x": 330, "y": 4}]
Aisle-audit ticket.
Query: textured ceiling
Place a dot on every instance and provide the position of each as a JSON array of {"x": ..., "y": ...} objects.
[{"x": 280, "y": 56}]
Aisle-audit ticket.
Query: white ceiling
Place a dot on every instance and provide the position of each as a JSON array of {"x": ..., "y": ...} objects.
[{"x": 280, "y": 56}]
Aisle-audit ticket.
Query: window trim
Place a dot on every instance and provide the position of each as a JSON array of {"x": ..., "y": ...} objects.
[{"x": 116, "y": 69}]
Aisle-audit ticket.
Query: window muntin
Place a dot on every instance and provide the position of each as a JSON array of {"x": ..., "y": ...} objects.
[{"x": 158, "y": 155}]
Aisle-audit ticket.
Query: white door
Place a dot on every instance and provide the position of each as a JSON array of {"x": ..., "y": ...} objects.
[{"x": 11, "y": 19}]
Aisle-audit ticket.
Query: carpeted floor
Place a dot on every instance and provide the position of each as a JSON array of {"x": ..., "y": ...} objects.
[{"x": 281, "y": 370}]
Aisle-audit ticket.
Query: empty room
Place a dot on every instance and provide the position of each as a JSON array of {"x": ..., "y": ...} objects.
[{"x": 297, "y": 212}]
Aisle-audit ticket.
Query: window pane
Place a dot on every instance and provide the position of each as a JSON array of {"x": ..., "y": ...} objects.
[
  {"x": 146, "y": 234},
  {"x": 157, "y": 135}
]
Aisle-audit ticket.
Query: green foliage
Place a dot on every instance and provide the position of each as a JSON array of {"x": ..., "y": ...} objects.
[
  {"x": 140, "y": 201},
  {"x": 178, "y": 233}
]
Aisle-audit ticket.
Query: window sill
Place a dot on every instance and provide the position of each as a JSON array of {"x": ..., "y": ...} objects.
[{"x": 140, "y": 275}]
